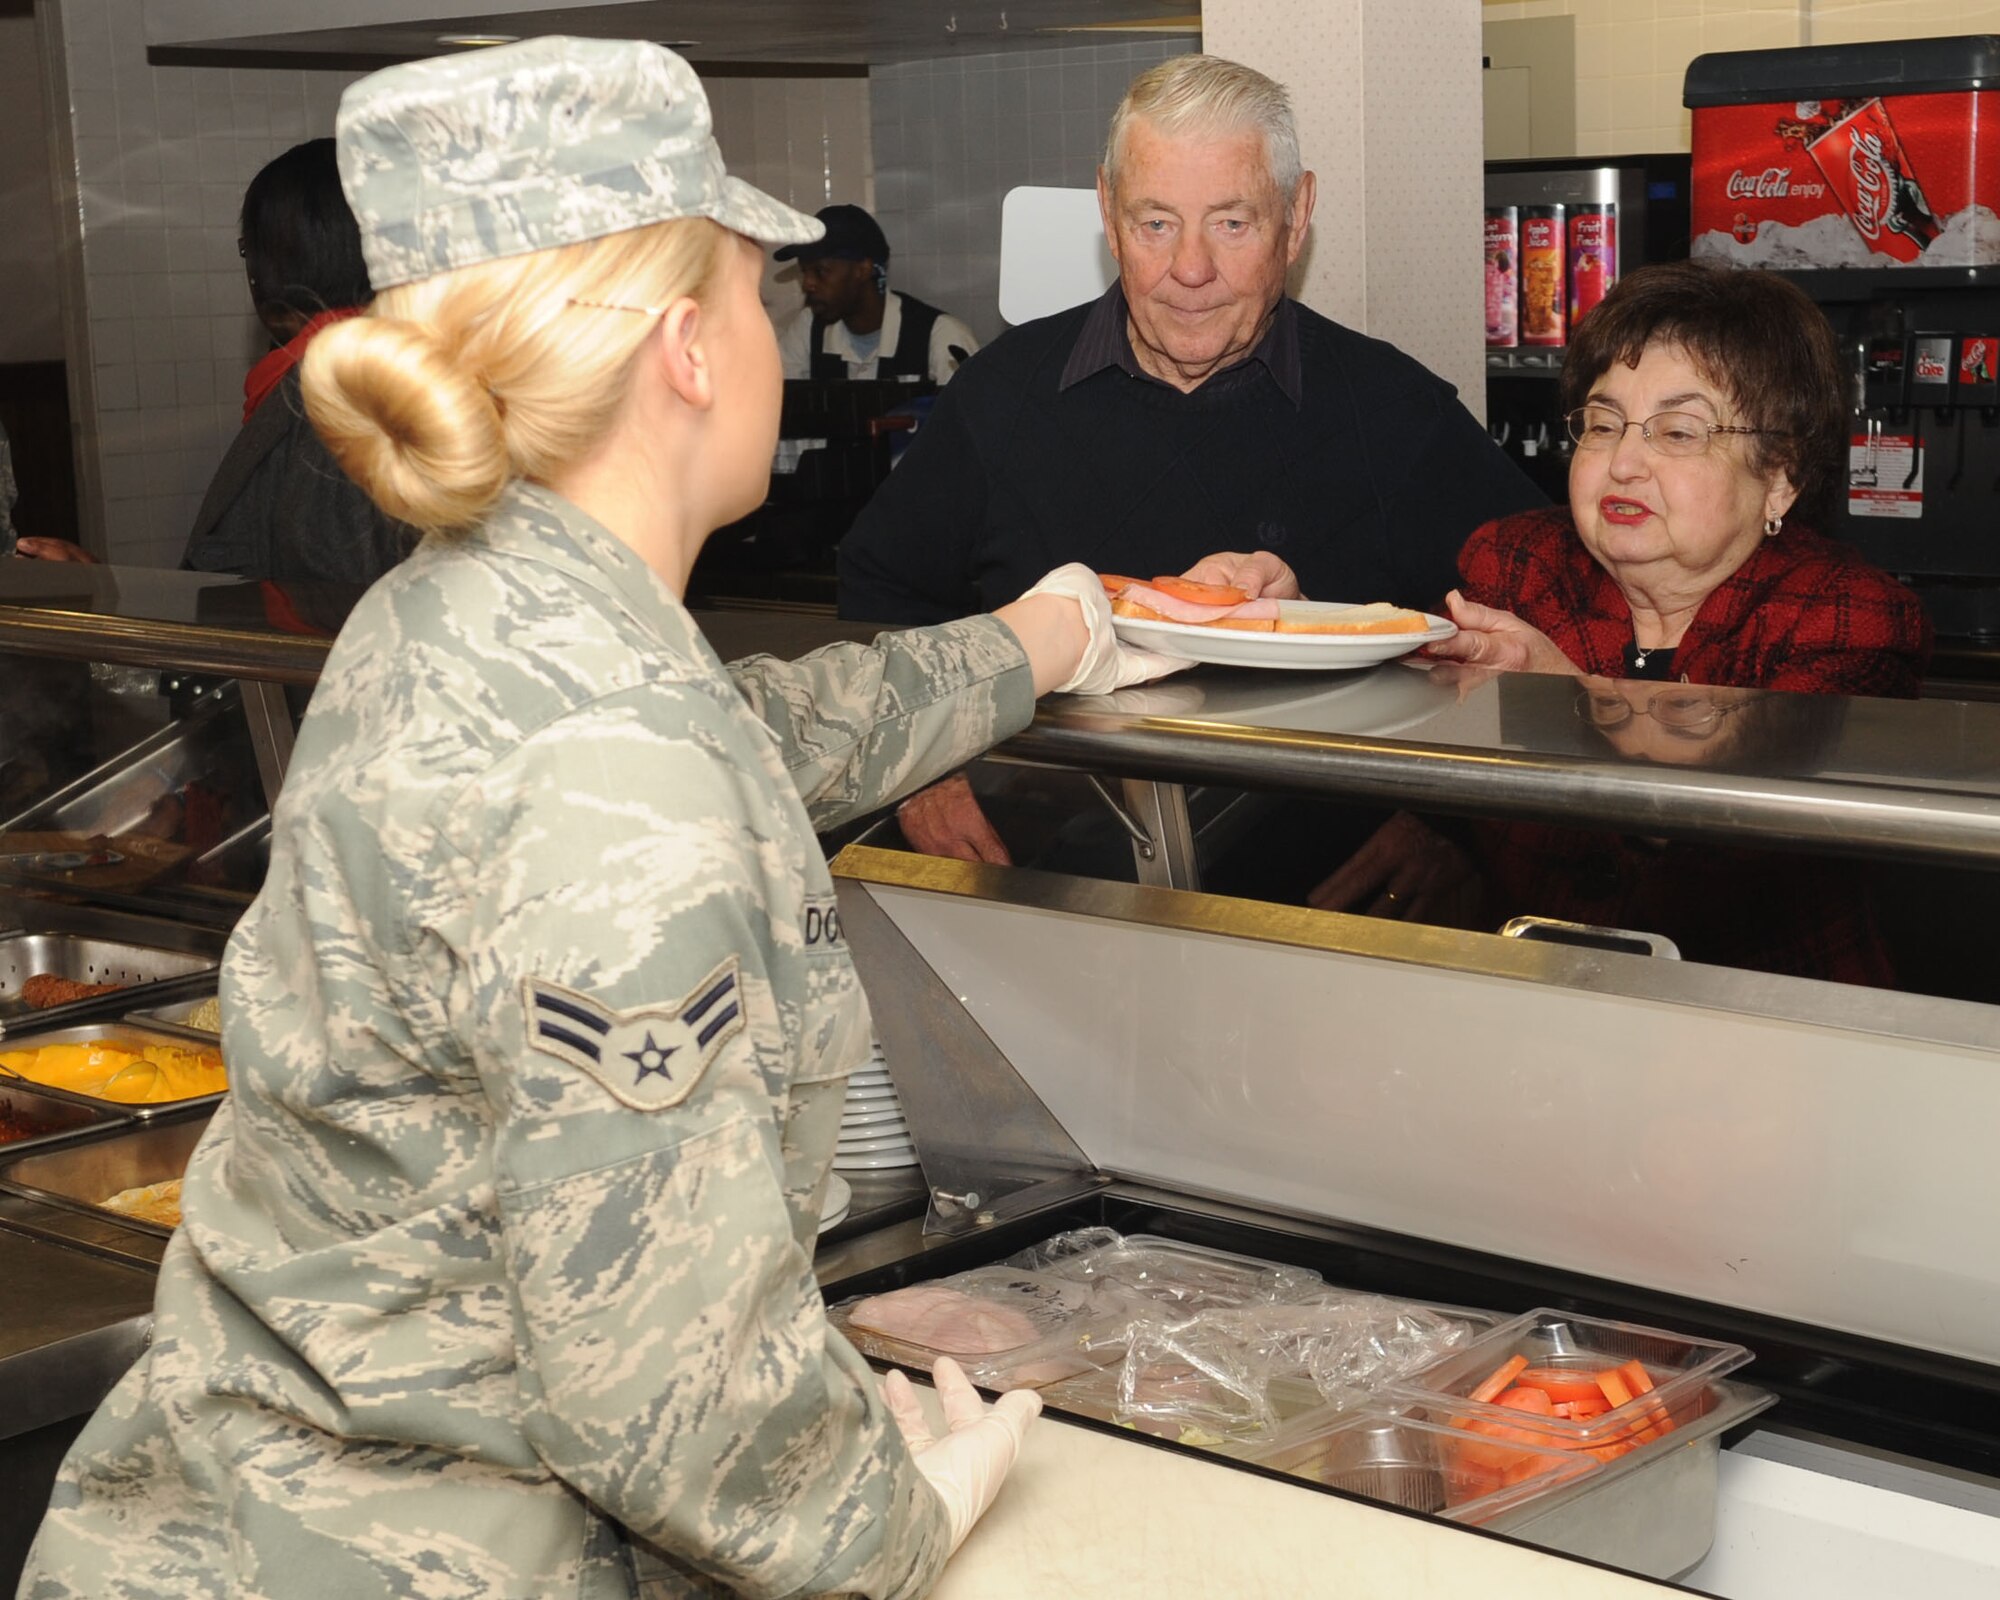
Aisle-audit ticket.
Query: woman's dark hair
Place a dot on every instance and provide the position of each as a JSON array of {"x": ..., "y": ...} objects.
[
  {"x": 1758, "y": 338},
  {"x": 300, "y": 243}
]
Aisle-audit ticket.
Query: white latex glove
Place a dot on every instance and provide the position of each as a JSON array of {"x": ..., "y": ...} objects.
[
  {"x": 1106, "y": 664},
  {"x": 967, "y": 1465}
]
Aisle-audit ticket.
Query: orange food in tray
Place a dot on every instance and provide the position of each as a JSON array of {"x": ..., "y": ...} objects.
[{"x": 126, "y": 1072}]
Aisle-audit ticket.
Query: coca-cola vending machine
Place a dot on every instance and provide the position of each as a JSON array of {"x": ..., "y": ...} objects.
[
  {"x": 1558, "y": 233},
  {"x": 1871, "y": 174}
]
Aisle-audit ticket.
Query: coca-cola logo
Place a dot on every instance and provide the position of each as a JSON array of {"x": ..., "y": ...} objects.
[
  {"x": 1773, "y": 183},
  {"x": 1872, "y": 182}
]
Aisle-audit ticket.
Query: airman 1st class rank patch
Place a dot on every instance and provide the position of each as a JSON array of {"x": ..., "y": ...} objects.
[{"x": 649, "y": 1057}]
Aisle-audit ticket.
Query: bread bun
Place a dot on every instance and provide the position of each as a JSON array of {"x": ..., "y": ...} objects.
[{"x": 1306, "y": 616}]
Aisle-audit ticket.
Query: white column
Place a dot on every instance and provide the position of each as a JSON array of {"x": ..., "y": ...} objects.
[{"x": 1387, "y": 94}]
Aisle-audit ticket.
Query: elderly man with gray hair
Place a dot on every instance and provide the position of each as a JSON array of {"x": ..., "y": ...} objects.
[{"x": 1193, "y": 408}]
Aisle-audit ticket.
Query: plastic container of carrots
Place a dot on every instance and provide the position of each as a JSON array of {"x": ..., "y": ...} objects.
[
  {"x": 1581, "y": 1383},
  {"x": 1651, "y": 1511},
  {"x": 1419, "y": 1465}
]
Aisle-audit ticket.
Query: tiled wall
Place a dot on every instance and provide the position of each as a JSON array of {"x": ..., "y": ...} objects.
[
  {"x": 953, "y": 136},
  {"x": 1631, "y": 55},
  {"x": 163, "y": 155},
  {"x": 805, "y": 140},
  {"x": 30, "y": 306}
]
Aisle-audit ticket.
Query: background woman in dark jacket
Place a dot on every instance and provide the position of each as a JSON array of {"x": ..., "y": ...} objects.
[{"x": 278, "y": 506}]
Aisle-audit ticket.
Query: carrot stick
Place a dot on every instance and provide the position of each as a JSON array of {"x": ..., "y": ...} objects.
[
  {"x": 1640, "y": 1381},
  {"x": 1562, "y": 1383},
  {"x": 1619, "y": 1394},
  {"x": 1506, "y": 1373}
]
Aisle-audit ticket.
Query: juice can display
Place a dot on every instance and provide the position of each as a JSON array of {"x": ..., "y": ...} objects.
[
  {"x": 1544, "y": 305},
  {"x": 1503, "y": 278},
  {"x": 1593, "y": 257}
]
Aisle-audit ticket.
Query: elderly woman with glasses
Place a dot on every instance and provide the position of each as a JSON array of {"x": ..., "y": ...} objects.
[
  {"x": 1708, "y": 409},
  {"x": 1708, "y": 406}
]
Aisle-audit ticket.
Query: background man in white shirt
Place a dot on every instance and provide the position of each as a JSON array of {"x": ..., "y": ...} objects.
[{"x": 853, "y": 325}]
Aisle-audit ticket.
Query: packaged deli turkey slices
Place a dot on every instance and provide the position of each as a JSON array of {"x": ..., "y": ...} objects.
[{"x": 1008, "y": 1327}]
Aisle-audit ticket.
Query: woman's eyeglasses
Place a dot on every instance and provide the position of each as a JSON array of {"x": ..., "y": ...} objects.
[
  {"x": 1671, "y": 433},
  {"x": 1684, "y": 713}
]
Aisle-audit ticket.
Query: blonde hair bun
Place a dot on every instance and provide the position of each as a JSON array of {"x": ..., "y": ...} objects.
[{"x": 406, "y": 421}]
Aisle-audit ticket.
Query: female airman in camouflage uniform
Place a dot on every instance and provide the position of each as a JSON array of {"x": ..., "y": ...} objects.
[{"x": 495, "y": 1278}]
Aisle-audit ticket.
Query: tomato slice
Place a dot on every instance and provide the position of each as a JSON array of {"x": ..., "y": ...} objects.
[
  {"x": 1115, "y": 585},
  {"x": 1200, "y": 594}
]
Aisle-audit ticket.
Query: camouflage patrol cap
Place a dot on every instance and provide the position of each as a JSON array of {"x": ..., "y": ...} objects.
[{"x": 469, "y": 158}]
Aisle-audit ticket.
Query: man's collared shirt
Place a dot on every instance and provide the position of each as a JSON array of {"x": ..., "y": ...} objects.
[
  {"x": 795, "y": 343},
  {"x": 1105, "y": 341}
]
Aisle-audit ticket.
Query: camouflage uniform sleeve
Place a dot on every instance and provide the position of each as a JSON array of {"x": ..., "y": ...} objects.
[
  {"x": 621, "y": 958},
  {"x": 861, "y": 725}
]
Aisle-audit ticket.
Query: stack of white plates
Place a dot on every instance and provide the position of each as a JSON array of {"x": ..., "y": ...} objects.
[
  {"x": 873, "y": 1135},
  {"x": 834, "y": 1203}
]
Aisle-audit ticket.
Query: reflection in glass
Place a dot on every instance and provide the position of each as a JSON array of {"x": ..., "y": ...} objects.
[{"x": 119, "y": 784}]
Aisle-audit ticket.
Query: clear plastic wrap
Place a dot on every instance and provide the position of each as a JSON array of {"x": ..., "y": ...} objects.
[
  {"x": 1238, "y": 1368},
  {"x": 1372, "y": 1341},
  {"x": 1165, "y": 1272}
]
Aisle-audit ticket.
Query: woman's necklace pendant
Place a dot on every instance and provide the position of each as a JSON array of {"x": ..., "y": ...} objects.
[{"x": 1639, "y": 655}]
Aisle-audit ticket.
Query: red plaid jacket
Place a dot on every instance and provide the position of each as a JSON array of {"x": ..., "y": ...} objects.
[{"x": 1803, "y": 614}]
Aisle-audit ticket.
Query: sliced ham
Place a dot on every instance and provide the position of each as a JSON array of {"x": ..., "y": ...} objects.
[
  {"x": 1143, "y": 601},
  {"x": 936, "y": 1318}
]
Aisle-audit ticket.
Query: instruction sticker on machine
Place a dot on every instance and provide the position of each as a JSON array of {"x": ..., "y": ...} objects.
[{"x": 1885, "y": 476}]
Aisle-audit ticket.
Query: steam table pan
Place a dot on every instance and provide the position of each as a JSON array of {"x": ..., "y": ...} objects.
[
  {"x": 84, "y": 960},
  {"x": 119, "y": 1033},
  {"x": 82, "y": 1176}
]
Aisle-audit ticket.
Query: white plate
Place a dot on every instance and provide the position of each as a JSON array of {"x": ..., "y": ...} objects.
[
  {"x": 872, "y": 1079},
  {"x": 881, "y": 1163},
  {"x": 1299, "y": 652},
  {"x": 827, "y": 1224},
  {"x": 869, "y": 1097},
  {"x": 834, "y": 1203}
]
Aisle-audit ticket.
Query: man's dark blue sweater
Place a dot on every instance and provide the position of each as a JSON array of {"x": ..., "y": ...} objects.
[{"x": 1366, "y": 479}]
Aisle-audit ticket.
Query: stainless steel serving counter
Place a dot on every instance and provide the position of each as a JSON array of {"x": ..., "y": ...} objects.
[
  {"x": 1912, "y": 781},
  {"x": 1897, "y": 780}
]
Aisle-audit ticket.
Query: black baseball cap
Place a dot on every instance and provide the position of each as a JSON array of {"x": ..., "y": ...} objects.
[{"x": 851, "y": 235}]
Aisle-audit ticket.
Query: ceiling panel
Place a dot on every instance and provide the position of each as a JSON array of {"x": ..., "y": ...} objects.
[{"x": 767, "y": 34}]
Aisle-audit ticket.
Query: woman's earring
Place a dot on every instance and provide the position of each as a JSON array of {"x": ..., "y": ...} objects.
[{"x": 1773, "y": 526}]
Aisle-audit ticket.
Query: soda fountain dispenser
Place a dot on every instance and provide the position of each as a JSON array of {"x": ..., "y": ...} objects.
[{"x": 1870, "y": 174}]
